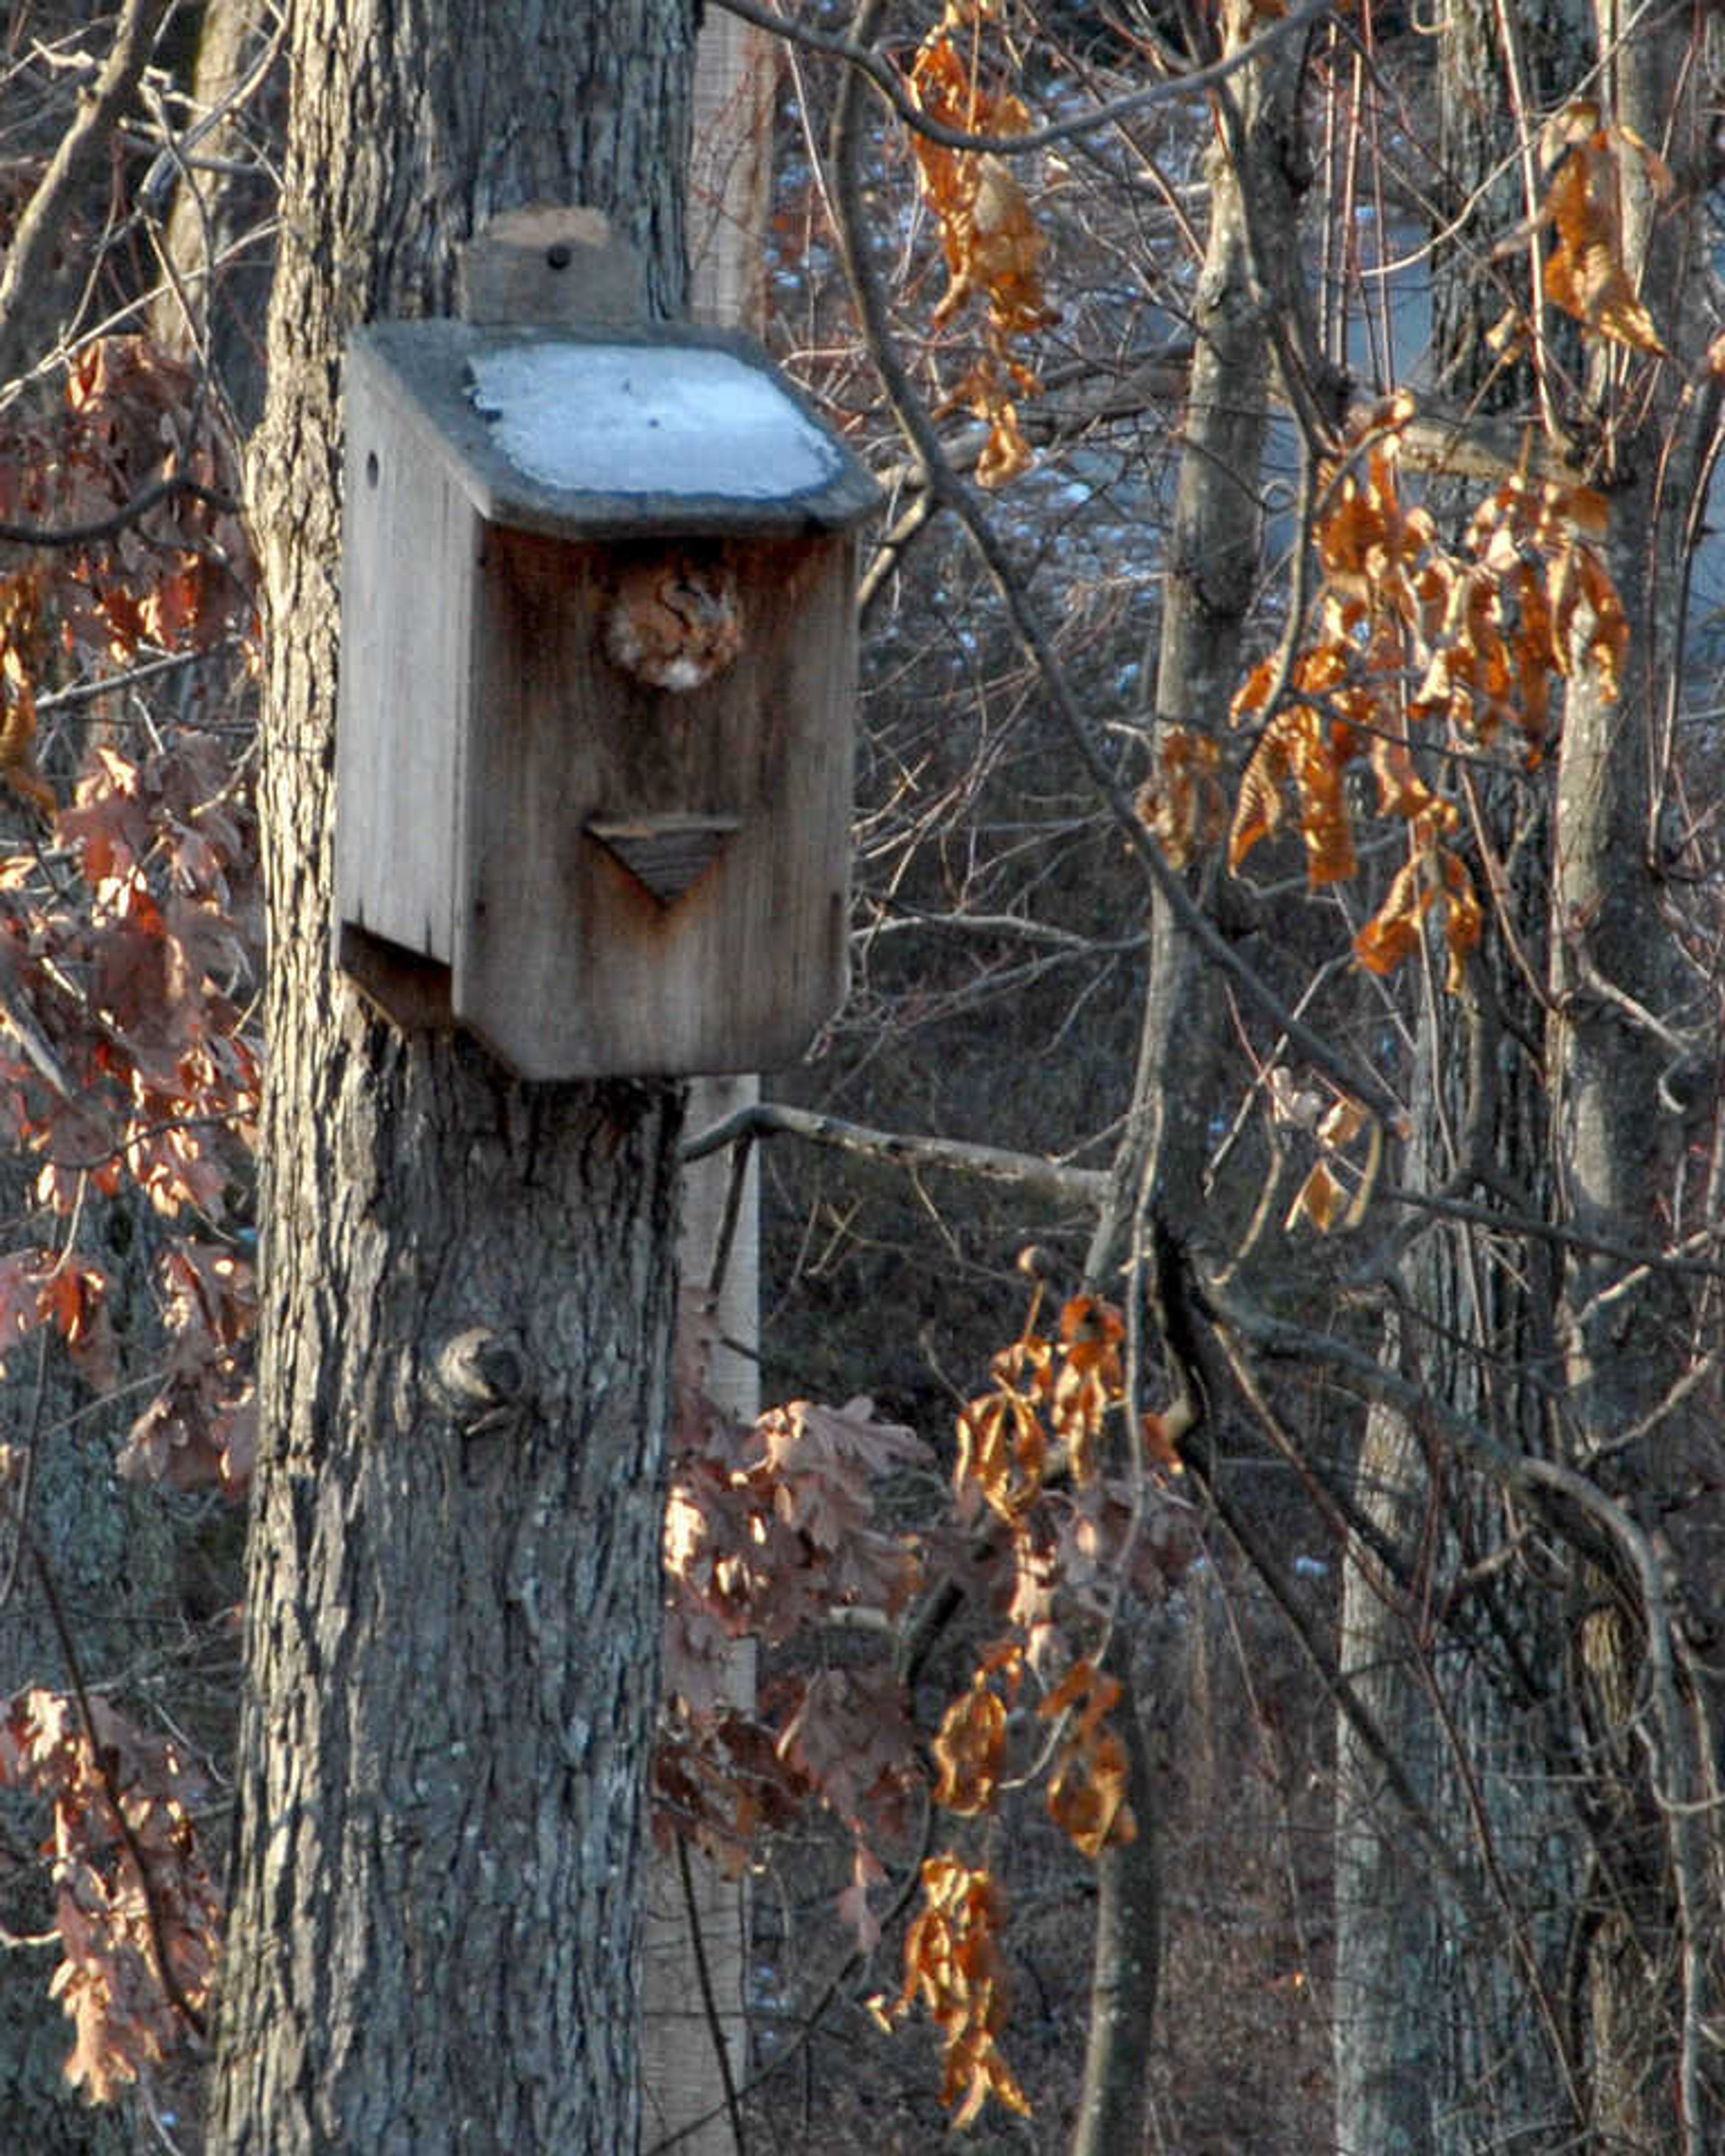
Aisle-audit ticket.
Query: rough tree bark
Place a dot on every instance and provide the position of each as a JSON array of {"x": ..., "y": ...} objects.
[
  {"x": 1635, "y": 1082},
  {"x": 1447, "y": 2028},
  {"x": 453, "y": 1595}
]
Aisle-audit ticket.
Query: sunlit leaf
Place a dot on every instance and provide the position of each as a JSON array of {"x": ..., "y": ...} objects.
[
  {"x": 1587, "y": 274},
  {"x": 1320, "y": 1203}
]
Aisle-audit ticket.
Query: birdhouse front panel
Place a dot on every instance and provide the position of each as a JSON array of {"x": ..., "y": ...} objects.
[
  {"x": 595, "y": 765},
  {"x": 666, "y": 769}
]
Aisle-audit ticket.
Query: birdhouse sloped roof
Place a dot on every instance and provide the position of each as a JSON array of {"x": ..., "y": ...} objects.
[{"x": 668, "y": 429}]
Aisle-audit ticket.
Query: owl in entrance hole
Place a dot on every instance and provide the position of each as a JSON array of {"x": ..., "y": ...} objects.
[{"x": 674, "y": 622}]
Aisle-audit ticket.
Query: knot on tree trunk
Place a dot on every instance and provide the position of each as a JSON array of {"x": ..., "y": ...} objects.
[{"x": 479, "y": 1379}]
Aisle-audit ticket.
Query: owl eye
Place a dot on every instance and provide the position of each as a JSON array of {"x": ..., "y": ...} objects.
[{"x": 694, "y": 599}]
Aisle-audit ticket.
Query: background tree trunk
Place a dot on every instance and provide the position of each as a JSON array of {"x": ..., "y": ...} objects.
[
  {"x": 218, "y": 298},
  {"x": 1553, "y": 2010},
  {"x": 453, "y": 1619},
  {"x": 1212, "y": 546},
  {"x": 1448, "y": 2022},
  {"x": 1623, "y": 1092}
]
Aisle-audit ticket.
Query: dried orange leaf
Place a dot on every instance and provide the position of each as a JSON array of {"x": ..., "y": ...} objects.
[
  {"x": 969, "y": 1747},
  {"x": 953, "y": 1963},
  {"x": 1587, "y": 276},
  {"x": 1087, "y": 1795},
  {"x": 1184, "y": 807},
  {"x": 1343, "y": 1123},
  {"x": 1321, "y": 1201}
]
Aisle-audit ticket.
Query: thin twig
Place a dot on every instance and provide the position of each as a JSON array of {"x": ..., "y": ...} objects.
[
  {"x": 868, "y": 62},
  {"x": 1028, "y": 1171},
  {"x": 171, "y": 1985},
  {"x": 709, "y": 2004},
  {"x": 110, "y": 527}
]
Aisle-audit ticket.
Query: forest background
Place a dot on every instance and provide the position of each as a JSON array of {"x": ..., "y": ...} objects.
[{"x": 1286, "y": 961}]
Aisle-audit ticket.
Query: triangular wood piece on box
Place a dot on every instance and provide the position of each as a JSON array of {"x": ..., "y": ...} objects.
[{"x": 670, "y": 854}]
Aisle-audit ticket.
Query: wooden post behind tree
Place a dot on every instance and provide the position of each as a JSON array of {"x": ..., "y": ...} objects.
[
  {"x": 454, "y": 1606},
  {"x": 683, "y": 2082}
]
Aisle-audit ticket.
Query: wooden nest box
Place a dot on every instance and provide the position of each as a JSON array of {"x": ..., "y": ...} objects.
[{"x": 598, "y": 659}]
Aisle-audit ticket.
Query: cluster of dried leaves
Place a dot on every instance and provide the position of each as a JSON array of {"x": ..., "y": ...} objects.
[
  {"x": 1419, "y": 656},
  {"x": 953, "y": 1963},
  {"x": 130, "y": 938},
  {"x": 138, "y": 1912},
  {"x": 1420, "y": 649},
  {"x": 773, "y": 1532},
  {"x": 131, "y": 932},
  {"x": 992, "y": 245},
  {"x": 1087, "y": 1789},
  {"x": 1586, "y": 274},
  {"x": 771, "y": 1527},
  {"x": 1034, "y": 1453}
]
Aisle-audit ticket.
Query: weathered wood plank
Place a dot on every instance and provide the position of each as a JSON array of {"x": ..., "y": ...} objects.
[
  {"x": 741, "y": 971},
  {"x": 410, "y": 544}
]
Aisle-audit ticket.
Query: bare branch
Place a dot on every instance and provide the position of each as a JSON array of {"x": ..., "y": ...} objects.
[
  {"x": 868, "y": 62},
  {"x": 110, "y": 527},
  {"x": 32, "y": 289},
  {"x": 1026, "y": 1170}
]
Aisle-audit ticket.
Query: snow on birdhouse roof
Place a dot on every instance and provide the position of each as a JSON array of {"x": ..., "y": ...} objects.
[
  {"x": 673, "y": 429},
  {"x": 677, "y": 420}
]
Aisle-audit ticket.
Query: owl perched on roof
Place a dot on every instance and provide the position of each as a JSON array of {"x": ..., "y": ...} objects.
[{"x": 675, "y": 623}]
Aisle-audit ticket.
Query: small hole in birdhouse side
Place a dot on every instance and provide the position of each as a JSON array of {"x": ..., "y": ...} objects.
[
  {"x": 371, "y": 468},
  {"x": 559, "y": 254}
]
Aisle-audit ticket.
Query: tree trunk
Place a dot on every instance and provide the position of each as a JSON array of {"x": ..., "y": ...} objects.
[
  {"x": 1448, "y": 2027},
  {"x": 1126, "y": 1961},
  {"x": 1554, "y": 2012},
  {"x": 696, "y": 1930},
  {"x": 455, "y": 1598},
  {"x": 219, "y": 278},
  {"x": 1212, "y": 550},
  {"x": 1628, "y": 1099},
  {"x": 1212, "y": 546}
]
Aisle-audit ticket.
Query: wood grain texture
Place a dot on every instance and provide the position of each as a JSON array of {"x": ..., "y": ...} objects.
[
  {"x": 563, "y": 961},
  {"x": 410, "y": 544},
  {"x": 551, "y": 263}
]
